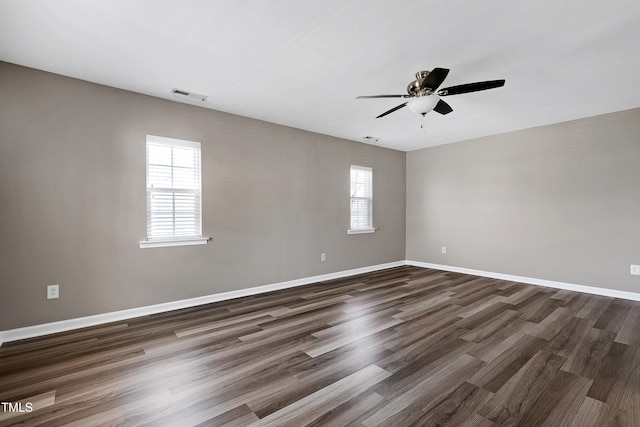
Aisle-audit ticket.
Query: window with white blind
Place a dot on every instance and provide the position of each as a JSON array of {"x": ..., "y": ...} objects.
[
  {"x": 361, "y": 200},
  {"x": 174, "y": 202}
]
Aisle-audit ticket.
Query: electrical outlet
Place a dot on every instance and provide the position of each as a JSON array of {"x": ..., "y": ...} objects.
[
  {"x": 444, "y": 250},
  {"x": 323, "y": 257},
  {"x": 53, "y": 291},
  {"x": 635, "y": 270}
]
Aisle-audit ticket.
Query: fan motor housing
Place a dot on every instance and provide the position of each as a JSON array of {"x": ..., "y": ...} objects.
[{"x": 414, "y": 87}]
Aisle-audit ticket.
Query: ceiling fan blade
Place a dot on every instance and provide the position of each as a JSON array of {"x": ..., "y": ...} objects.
[
  {"x": 435, "y": 78},
  {"x": 442, "y": 107},
  {"x": 382, "y": 96},
  {"x": 470, "y": 87},
  {"x": 392, "y": 110}
]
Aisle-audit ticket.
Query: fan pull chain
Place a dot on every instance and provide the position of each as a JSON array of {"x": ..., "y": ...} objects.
[{"x": 422, "y": 124}]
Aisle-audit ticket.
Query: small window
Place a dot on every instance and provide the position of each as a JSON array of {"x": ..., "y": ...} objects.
[
  {"x": 361, "y": 200},
  {"x": 173, "y": 193}
]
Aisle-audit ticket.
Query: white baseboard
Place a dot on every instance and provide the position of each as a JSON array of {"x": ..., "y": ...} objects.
[
  {"x": 98, "y": 319},
  {"x": 532, "y": 281}
]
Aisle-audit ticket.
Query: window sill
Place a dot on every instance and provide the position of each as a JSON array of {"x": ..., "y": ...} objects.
[
  {"x": 362, "y": 231},
  {"x": 175, "y": 242}
]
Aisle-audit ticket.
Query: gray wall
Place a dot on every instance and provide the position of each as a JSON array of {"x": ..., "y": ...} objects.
[
  {"x": 559, "y": 202},
  {"x": 72, "y": 201}
]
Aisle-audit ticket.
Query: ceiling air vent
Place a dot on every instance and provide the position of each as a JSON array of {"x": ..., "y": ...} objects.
[
  {"x": 188, "y": 96},
  {"x": 371, "y": 138}
]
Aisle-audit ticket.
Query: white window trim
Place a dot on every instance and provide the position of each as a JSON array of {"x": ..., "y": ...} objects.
[
  {"x": 362, "y": 230},
  {"x": 176, "y": 241},
  {"x": 158, "y": 243}
]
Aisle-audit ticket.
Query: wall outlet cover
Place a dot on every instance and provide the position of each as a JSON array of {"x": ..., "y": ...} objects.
[{"x": 635, "y": 270}]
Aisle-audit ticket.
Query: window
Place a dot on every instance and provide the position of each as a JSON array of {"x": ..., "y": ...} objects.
[
  {"x": 361, "y": 200},
  {"x": 173, "y": 193}
]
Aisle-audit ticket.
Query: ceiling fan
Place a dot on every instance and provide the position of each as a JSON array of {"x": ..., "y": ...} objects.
[{"x": 424, "y": 96}]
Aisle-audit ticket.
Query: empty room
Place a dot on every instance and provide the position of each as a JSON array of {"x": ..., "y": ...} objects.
[{"x": 335, "y": 213}]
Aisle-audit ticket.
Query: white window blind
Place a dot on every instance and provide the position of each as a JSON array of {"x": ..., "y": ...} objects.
[
  {"x": 173, "y": 189},
  {"x": 361, "y": 199}
]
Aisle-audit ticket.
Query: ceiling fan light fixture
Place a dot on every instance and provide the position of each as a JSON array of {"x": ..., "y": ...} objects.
[
  {"x": 423, "y": 96},
  {"x": 423, "y": 104}
]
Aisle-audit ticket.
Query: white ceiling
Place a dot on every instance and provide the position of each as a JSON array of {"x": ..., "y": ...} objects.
[{"x": 302, "y": 63}]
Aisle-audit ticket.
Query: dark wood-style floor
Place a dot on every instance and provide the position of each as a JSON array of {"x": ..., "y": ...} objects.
[{"x": 398, "y": 347}]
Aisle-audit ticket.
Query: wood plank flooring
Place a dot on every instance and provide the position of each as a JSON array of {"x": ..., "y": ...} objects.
[{"x": 398, "y": 347}]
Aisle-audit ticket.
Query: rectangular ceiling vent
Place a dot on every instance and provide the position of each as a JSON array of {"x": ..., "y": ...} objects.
[
  {"x": 188, "y": 96},
  {"x": 371, "y": 138}
]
